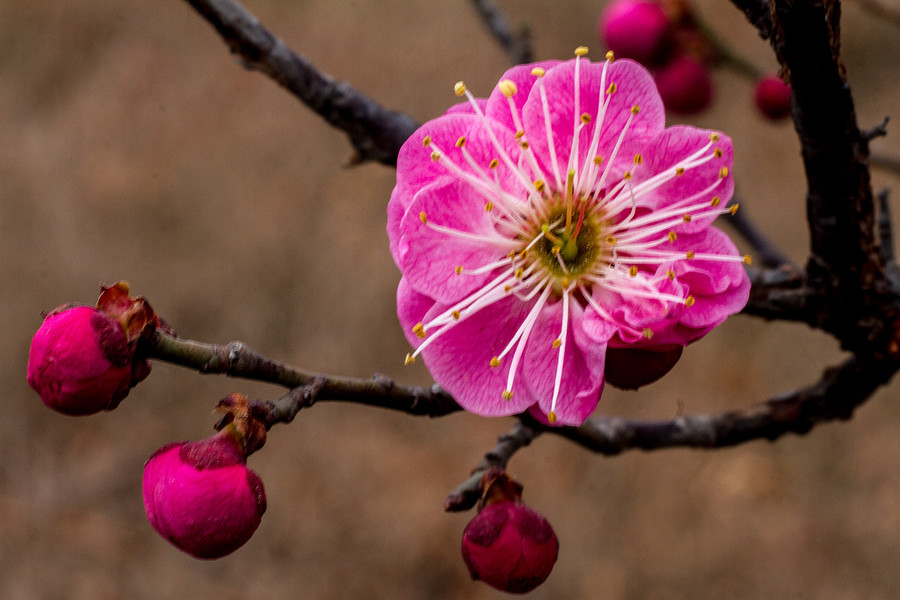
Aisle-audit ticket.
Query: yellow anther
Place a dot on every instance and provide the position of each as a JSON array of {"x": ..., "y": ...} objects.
[
  {"x": 455, "y": 314},
  {"x": 715, "y": 201},
  {"x": 626, "y": 176},
  {"x": 581, "y": 50},
  {"x": 748, "y": 260},
  {"x": 611, "y": 89},
  {"x": 565, "y": 282},
  {"x": 686, "y": 218},
  {"x": 670, "y": 274},
  {"x": 539, "y": 186},
  {"x": 538, "y": 72},
  {"x": 723, "y": 172},
  {"x": 511, "y": 255},
  {"x": 495, "y": 361},
  {"x": 647, "y": 332},
  {"x": 557, "y": 343},
  {"x": 459, "y": 88},
  {"x": 679, "y": 171},
  {"x": 672, "y": 237},
  {"x": 598, "y": 160},
  {"x": 419, "y": 330},
  {"x": 551, "y": 416},
  {"x": 435, "y": 156},
  {"x": 689, "y": 301},
  {"x": 523, "y": 253},
  {"x": 524, "y": 145},
  {"x": 519, "y": 134},
  {"x": 717, "y": 153},
  {"x": 519, "y": 272},
  {"x": 714, "y": 137},
  {"x": 585, "y": 118},
  {"x": 733, "y": 208},
  {"x": 638, "y": 159},
  {"x": 410, "y": 359},
  {"x": 633, "y": 271},
  {"x": 507, "y": 88},
  {"x": 507, "y": 394},
  {"x": 458, "y": 270},
  {"x": 635, "y": 109},
  {"x": 611, "y": 240},
  {"x": 489, "y": 207},
  {"x": 461, "y": 142},
  {"x": 554, "y": 250},
  {"x": 494, "y": 163},
  {"x": 423, "y": 217},
  {"x": 507, "y": 288},
  {"x": 689, "y": 254},
  {"x": 610, "y": 56},
  {"x": 426, "y": 141}
]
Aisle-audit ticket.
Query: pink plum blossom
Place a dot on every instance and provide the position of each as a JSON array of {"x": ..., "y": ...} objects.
[
  {"x": 202, "y": 497},
  {"x": 555, "y": 220}
]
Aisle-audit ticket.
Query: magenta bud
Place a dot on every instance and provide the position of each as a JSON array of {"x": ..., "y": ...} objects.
[
  {"x": 635, "y": 29},
  {"x": 773, "y": 97},
  {"x": 510, "y": 547},
  {"x": 202, "y": 497},
  {"x": 80, "y": 361},
  {"x": 684, "y": 85}
]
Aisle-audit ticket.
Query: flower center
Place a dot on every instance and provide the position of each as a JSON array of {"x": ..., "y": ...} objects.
[{"x": 567, "y": 252}]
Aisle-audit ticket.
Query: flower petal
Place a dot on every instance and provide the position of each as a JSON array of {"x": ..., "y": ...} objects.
[
  {"x": 459, "y": 359},
  {"x": 437, "y": 263}
]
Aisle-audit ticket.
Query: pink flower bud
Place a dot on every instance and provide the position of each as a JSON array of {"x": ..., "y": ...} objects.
[
  {"x": 80, "y": 361},
  {"x": 635, "y": 29},
  {"x": 510, "y": 547},
  {"x": 685, "y": 85},
  {"x": 202, "y": 497},
  {"x": 773, "y": 97},
  {"x": 629, "y": 368}
]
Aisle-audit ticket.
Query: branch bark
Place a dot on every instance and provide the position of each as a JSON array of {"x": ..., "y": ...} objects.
[{"x": 375, "y": 131}]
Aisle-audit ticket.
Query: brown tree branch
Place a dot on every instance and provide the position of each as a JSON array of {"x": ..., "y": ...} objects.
[
  {"x": 516, "y": 45},
  {"x": 375, "y": 132}
]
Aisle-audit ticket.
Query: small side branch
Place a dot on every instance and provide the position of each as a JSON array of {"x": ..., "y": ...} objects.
[
  {"x": 375, "y": 131},
  {"x": 516, "y": 45},
  {"x": 236, "y": 359},
  {"x": 467, "y": 494}
]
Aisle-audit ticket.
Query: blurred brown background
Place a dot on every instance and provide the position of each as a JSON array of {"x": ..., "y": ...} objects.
[{"x": 134, "y": 147}]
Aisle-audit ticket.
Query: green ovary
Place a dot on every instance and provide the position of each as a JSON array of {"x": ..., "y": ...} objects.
[{"x": 579, "y": 253}]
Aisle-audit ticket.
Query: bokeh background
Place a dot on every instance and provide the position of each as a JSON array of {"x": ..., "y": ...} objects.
[{"x": 133, "y": 146}]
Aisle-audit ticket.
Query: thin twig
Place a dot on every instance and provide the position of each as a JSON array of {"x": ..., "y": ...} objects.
[
  {"x": 766, "y": 253},
  {"x": 375, "y": 132},
  {"x": 516, "y": 45},
  {"x": 236, "y": 359},
  {"x": 466, "y": 495}
]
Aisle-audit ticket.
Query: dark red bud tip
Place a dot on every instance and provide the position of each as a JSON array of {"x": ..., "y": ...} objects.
[
  {"x": 636, "y": 29},
  {"x": 684, "y": 85},
  {"x": 80, "y": 362},
  {"x": 773, "y": 97},
  {"x": 510, "y": 547},
  {"x": 201, "y": 496},
  {"x": 631, "y": 368}
]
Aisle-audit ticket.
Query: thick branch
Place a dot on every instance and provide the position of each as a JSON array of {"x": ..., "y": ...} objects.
[
  {"x": 375, "y": 132},
  {"x": 839, "y": 392}
]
